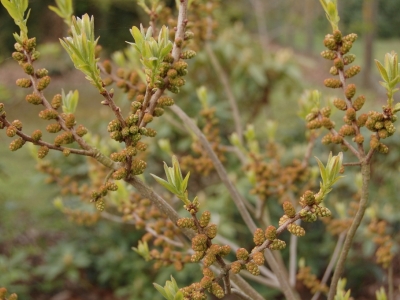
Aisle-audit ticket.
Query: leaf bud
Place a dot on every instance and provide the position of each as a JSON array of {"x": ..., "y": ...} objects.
[
  {"x": 40, "y": 73},
  {"x": 253, "y": 268},
  {"x": 48, "y": 114},
  {"x": 36, "y": 135},
  {"x": 258, "y": 237},
  {"x": 16, "y": 144},
  {"x": 340, "y": 104},
  {"x": 277, "y": 245},
  {"x": 205, "y": 219},
  {"x": 242, "y": 254},
  {"x": 270, "y": 232},
  {"x": 81, "y": 130},
  {"x": 296, "y": 230},
  {"x": 236, "y": 266},
  {"x": 332, "y": 83},
  {"x": 34, "y": 99},
  {"x": 24, "y": 82},
  {"x": 53, "y": 128},
  {"x": 199, "y": 242},
  {"x": 43, "y": 151},
  {"x": 329, "y": 54}
]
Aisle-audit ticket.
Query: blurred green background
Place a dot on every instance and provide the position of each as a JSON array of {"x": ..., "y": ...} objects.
[{"x": 44, "y": 256}]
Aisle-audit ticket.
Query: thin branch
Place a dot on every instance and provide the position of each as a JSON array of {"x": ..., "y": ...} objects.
[
  {"x": 366, "y": 173},
  {"x": 331, "y": 264},
  {"x": 240, "y": 294},
  {"x": 351, "y": 164},
  {"x": 221, "y": 74},
  {"x": 293, "y": 258},
  {"x": 236, "y": 197}
]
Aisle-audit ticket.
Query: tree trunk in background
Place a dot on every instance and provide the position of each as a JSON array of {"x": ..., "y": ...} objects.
[
  {"x": 309, "y": 16},
  {"x": 370, "y": 8}
]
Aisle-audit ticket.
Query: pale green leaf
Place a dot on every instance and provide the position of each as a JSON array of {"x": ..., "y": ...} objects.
[{"x": 382, "y": 71}]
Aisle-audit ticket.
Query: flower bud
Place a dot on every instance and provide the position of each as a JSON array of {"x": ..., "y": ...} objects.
[
  {"x": 350, "y": 91},
  {"x": 277, "y": 245},
  {"x": 359, "y": 139},
  {"x": 217, "y": 290},
  {"x": 289, "y": 209},
  {"x": 16, "y": 144},
  {"x": 42, "y": 152},
  {"x": 296, "y": 230},
  {"x": 11, "y": 131},
  {"x": 259, "y": 258},
  {"x": 43, "y": 83},
  {"x": 24, "y": 82},
  {"x": 253, "y": 268},
  {"x": 332, "y": 83},
  {"x": 236, "y": 267},
  {"x": 199, "y": 242},
  {"x": 33, "y": 99},
  {"x": 258, "y": 237},
  {"x": 48, "y": 114},
  {"x": 56, "y": 102},
  {"x": 36, "y": 135},
  {"x": 53, "y": 128},
  {"x": 40, "y": 73},
  {"x": 352, "y": 71},
  {"x": 340, "y": 104},
  {"x": 270, "y": 232},
  {"x": 329, "y": 54},
  {"x": 188, "y": 54},
  {"x": 81, "y": 130},
  {"x": 28, "y": 68},
  {"x": 348, "y": 59},
  {"x": 242, "y": 254}
]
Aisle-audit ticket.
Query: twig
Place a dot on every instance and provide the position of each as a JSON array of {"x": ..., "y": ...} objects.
[
  {"x": 240, "y": 294},
  {"x": 365, "y": 173},
  {"x": 351, "y": 164},
  {"x": 221, "y": 74},
  {"x": 390, "y": 282},
  {"x": 331, "y": 264},
  {"x": 236, "y": 197},
  {"x": 293, "y": 258}
]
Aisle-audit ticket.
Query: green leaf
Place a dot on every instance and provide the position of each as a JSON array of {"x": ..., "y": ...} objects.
[
  {"x": 160, "y": 289},
  {"x": 166, "y": 185},
  {"x": 396, "y": 107},
  {"x": 382, "y": 71}
]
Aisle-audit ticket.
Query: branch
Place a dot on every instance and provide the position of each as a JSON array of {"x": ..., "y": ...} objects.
[
  {"x": 365, "y": 173},
  {"x": 331, "y": 264},
  {"x": 236, "y": 197},
  {"x": 221, "y": 74}
]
